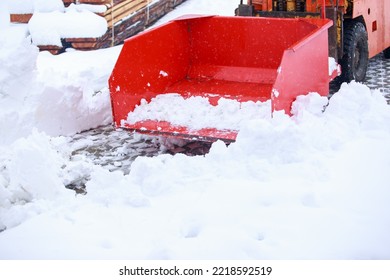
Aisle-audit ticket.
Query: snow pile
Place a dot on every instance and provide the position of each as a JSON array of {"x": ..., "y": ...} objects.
[
  {"x": 17, "y": 59},
  {"x": 265, "y": 194},
  {"x": 50, "y": 28},
  {"x": 34, "y": 171},
  {"x": 45, "y": 6},
  {"x": 40, "y": 90},
  {"x": 26, "y": 158},
  {"x": 311, "y": 186},
  {"x": 196, "y": 112},
  {"x": 4, "y": 16},
  {"x": 31, "y": 6},
  {"x": 17, "y": 84},
  {"x": 76, "y": 95},
  {"x": 51, "y": 21}
]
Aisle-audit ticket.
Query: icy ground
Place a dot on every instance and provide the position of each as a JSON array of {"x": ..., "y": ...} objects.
[{"x": 313, "y": 186}]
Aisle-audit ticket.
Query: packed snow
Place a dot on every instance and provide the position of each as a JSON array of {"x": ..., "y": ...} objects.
[{"x": 311, "y": 186}]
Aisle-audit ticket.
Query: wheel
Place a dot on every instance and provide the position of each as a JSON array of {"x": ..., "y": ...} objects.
[
  {"x": 386, "y": 53},
  {"x": 355, "y": 59}
]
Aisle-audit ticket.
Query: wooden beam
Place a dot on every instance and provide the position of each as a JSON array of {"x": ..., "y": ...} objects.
[
  {"x": 116, "y": 14},
  {"x": 122, "y": 6}
]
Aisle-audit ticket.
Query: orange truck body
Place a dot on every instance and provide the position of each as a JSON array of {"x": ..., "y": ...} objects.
[{"x": 374, "y": 13}]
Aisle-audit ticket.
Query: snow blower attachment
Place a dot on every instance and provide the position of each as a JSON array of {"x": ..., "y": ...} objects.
[{"x": 239, "y": 58}]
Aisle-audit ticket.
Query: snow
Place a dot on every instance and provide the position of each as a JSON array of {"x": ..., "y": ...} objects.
[
  {"x": 311, "y": 186},
  {"x": 196, "y": 112},
  {"x": 60, "y": 95},
  {"x": 31, "y": 6},
  {"x": 51, "y": 21},
  {"x": 4, "y": 16},
  {"x": 89, "y": 7},
  {"x": 333, "y": 66},
  {"x": 50, "y": 28}
]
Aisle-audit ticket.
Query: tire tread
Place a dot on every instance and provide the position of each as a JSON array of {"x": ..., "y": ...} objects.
[{"x": 352, "y": 32}]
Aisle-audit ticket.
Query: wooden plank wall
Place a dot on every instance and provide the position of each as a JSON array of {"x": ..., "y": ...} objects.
[{"x": 124, "y": 19}]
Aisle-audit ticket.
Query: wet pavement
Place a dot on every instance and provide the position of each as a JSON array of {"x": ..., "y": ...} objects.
[
  {"x": 116, "y": 149},
  {"x": 378, "y": 75}
]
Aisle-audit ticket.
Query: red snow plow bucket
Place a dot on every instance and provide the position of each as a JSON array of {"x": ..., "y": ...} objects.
[{"x": 240, "y": 58}]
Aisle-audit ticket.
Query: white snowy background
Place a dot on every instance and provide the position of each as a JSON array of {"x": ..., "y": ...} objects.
[{"x": 312, "y": 186}]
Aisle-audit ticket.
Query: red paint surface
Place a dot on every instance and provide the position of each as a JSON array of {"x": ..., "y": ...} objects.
[{"x": 241, "y": 58}]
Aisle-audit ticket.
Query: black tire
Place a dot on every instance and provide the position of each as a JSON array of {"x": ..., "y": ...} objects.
[
  {"x": 386, "y": 53},
  {"x": 355, "y": 59}
]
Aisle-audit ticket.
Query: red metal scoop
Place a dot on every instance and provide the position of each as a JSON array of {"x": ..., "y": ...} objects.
[{"x": 241, "y": 58}]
